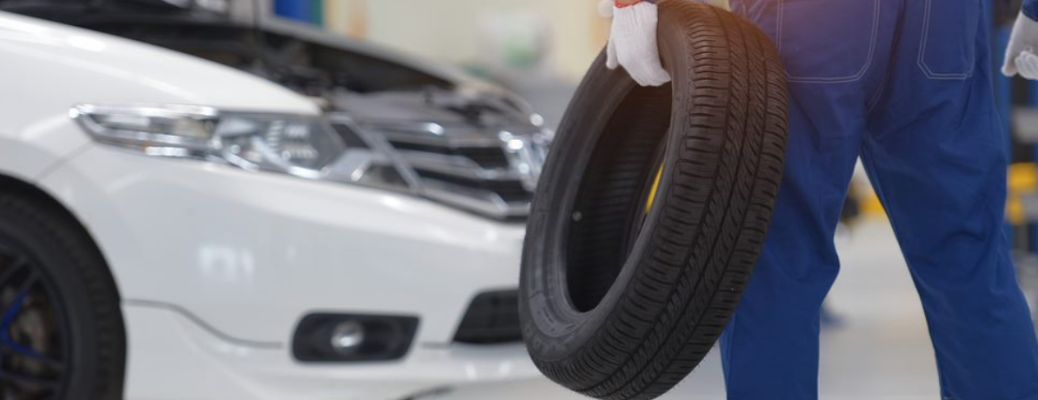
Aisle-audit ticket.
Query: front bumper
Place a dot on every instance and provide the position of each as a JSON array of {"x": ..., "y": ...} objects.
[
  {"x": 174, "y": 358},
  {"x": 217, "y": 266}
]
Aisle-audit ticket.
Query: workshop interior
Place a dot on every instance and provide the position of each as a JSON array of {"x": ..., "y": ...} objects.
[{"x": 518, "y": 199}]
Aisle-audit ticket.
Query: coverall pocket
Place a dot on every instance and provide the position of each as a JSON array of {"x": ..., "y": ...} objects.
[
  {"x": 948, "y": 44},
  {"x": 826, "y": 41}
]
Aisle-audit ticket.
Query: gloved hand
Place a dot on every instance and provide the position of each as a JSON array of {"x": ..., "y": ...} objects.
[
  {"x": 1023, "y": 43},
  {"x": 632, "y": 42}
]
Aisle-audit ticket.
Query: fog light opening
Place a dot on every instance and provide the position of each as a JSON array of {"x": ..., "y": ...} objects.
[
  {"x": 343, "y": 338},
  {"x": 347, "y": 337}
]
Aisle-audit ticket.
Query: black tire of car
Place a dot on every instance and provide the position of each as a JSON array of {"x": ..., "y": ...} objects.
[
  {"x": 622, "y": 297},
  {"x": 69, "y": 260}
]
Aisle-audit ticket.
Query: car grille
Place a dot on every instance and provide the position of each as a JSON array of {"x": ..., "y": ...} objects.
[
  {"x": 490, "y": 171},
  {"x": 492, "y": 318},
  {"x": 485, "y": 157}
]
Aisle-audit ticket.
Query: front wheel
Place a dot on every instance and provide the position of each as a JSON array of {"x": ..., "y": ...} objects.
[{"x": 61, "y": 328}]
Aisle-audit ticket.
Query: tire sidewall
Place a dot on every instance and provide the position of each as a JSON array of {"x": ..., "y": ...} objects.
[{"x": 553, "y": 329}]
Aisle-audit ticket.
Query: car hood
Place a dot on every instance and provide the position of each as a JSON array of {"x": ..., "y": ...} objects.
[{"x": 59, "y": 66}]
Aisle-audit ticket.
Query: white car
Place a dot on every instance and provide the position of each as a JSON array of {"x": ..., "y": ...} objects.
[{"x": 175, "y": 229}]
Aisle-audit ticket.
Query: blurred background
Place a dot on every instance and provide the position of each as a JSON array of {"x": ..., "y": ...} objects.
[
  {"x": 539, "y": 48},
  {"x": 875, "y": 342}
]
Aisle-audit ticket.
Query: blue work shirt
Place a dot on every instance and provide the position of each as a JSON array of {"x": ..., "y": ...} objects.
[{"x": 1031, "y": 9}]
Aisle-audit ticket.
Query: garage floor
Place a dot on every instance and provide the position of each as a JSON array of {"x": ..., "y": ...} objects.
[{"x": 880, "y": 350}]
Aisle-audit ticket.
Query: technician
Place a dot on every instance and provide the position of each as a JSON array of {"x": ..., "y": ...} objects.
[{"x": 907, "y": 86}]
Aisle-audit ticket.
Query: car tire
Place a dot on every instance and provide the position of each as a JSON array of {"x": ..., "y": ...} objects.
[
  {"x": 72, "y": 338},
  {"x": 647, "y": 223}
]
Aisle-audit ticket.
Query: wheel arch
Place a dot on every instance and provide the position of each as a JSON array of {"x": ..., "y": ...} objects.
[{"x": 12, "y": 185}]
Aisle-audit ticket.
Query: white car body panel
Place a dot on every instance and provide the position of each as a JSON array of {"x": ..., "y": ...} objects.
[
  {"x": 217, "y": 265},
  {"x": 230, "y": 235}
]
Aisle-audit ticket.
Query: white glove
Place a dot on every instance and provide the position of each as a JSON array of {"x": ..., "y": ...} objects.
[
  {"x": 1027, "y": 65},
  {"x": 632, "y": 42},
  {"x": 1020, "y": 56}
]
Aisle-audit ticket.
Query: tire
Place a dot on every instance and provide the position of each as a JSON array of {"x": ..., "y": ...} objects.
[
  {"x": 647, "y": 223},
  {"x": 70, "y": 325}
]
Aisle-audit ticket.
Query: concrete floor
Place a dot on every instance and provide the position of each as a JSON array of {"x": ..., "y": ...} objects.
[{"x": 881, "y": 351}]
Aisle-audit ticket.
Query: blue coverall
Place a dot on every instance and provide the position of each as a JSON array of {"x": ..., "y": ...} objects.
[{"x": 907, "y": 86}]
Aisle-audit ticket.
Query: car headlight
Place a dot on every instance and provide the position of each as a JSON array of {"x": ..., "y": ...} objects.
[{"x": 298, "y": 145}]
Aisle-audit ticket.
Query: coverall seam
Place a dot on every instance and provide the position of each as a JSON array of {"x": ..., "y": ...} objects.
[
  {"x": 874, "y": 100},
  {"x": 877, "y": 97}
]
